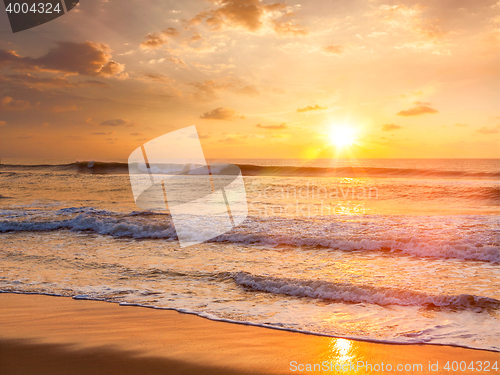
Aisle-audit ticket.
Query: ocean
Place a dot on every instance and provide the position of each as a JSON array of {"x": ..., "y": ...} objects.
[{"x": 385, "y": 250}]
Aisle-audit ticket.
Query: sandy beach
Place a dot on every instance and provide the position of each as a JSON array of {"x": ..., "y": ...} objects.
[{"x": 57, "y": 335}]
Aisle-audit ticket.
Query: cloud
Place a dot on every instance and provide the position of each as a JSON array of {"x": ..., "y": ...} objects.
[
  {"x": 461, "y": 125},
  {"x": 233, "y": 139},
  {"x": 285, "y": 29},
  {"x": 7, "y": 103},
  {"x": 427, "y": 32},
  {"x": 333, "y": 49},
  {"x": 136, "y": 134},
  {"x": 31, "y": 80},
  {"x": 485, "y": 130},
  {"x": 177, "y": 61},
  {"x": 208, "y": 90},
  {"x": 104, "y": 133},
  {"x": 171, "y": 32},
  {"x": 420, "y": 110},
  {"x": 376, "y": 34},
  {"x": 26, "y": 136},
  {"x": 3, "y": 123},
  {"x": 62, "y": 108},
  {"x": 158, "y": 77},
  {"x": 115, "y": 122},
  {"x": 248, "y": 90},
  {"x": 153, "y": 41},
  {"x": 422, "y": 103},
  {"x": 276, "y": 127},
  {"x": 316, "y": 107},
  {"x": 389, "y": 127},
  {"x": 250, "y": 15},
  {"x": 88, "y": 59},
  {"x": 221, "y": 114}
]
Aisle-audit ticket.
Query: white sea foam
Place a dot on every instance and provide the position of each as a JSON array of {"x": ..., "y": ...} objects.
[
  {"x": 345, "y": 292},
  {"x": 399, "y": 237}
]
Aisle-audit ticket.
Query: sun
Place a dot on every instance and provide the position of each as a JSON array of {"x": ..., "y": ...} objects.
[{"x": 342, "y": 136}]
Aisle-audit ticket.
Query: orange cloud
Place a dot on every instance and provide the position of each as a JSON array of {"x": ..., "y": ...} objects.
[
  {"x": 61, "y": 108},
  {"x": 334, "y": 49},
  {"x": 3, "y": 123},
  {"x": 389, "y": 127},
  {"x": 248, "y": 90},
  {"x": 208, "y": 90},
  {"x": 221, "y": 114},
  {"x": 288, "y": 29},
  {"x": 485, "y": 130},
  {"x": 250, "y": 15},
  {"x": 233, "y": 139},
  {"x": 7, "y": 103},
  {"x": 171, "y": 32},
  {"x": 420, "y": 110},
  {"x": 154, "y": 40},
  {"x": 276, "y": 127},
  {"x": 316, "y": 107},
  {"x": 158, "y": 77}
]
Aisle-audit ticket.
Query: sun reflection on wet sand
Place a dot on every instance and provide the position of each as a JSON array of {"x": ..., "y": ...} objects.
[{"x": 341, "y": 350}]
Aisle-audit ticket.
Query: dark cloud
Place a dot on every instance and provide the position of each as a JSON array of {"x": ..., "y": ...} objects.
[
  {"x": 115, "y": 122},
  {"x": 420, "y": 110},
  {"x": 32, "y": 80},
  {"x": 221, "y": 114},
  {"x": 316, "y": 107},
  {"x": 276, "y": 127},
  {"x": 104, "y": 133},
  {"x": 88, "y": 59},
  {"x": 390, "y": 127}
]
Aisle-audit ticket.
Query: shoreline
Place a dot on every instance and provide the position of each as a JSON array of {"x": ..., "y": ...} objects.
[
  {"x": 250, "y": 324},
  {"x": 47, "y": 334}
]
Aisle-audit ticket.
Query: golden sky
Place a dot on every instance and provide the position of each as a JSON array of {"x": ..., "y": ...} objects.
[{"x": 259, "y": 79}]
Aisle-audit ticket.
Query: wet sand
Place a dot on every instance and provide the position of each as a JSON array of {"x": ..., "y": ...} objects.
[{"x": 60, "y": 335}]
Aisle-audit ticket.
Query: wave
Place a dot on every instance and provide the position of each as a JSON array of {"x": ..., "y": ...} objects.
[
  {"x": 350, "y": 293},
  {"x": 101, "y": 222},
  {"x": 254, "y": 231},
  {"x": 86, "y": 167}
]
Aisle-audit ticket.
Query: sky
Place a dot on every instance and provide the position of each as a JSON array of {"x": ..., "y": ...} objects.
[{"x": 259, "y": 79}]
